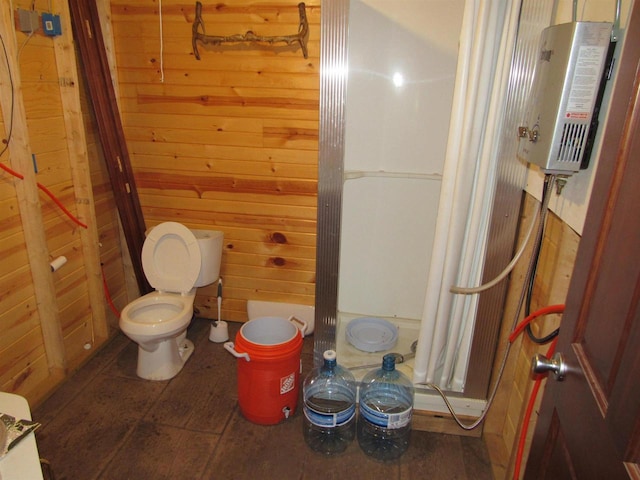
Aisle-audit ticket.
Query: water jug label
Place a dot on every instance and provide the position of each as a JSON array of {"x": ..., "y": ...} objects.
[
  {"x": 399, "y": 420},
  {"x": 287, "y": 383},
  {"x": 322, "y": 419},
  {"x": 386, "y": 420}
]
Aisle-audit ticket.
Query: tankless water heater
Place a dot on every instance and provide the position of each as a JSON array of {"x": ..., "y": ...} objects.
[{"x": 565, "y": 96}]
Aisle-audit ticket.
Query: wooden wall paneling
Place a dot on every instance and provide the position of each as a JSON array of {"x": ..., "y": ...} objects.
[
  {"x": 87, "y": 28},
  {"x": 41, "y": 86},
  {"x": 78, "y": 156},
  {"x": 228, "y": 142},
  {"x": 557, "y": 258},
  {"x": 26, "y": 351},
  {"x": 49, "y": 122},
  {"x": 29, "y": 204},
  {"x": 19, "y": 315},
  {"x": 303, "y": 81}
]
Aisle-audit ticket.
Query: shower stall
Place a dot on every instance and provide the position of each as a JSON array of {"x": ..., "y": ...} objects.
[{"x": 388, "y": 73}]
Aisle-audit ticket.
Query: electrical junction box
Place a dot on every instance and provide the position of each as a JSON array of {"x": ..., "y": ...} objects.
[
  {"x": 28, "y": 20},
  {"x": 51, "y": 24},
  {"x": 567, "y": 89}
]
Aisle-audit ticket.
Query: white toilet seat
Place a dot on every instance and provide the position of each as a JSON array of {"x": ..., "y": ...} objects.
[
  {"x": 157, "y": 314},
  {"x": 171, "y": 262},
  {"x": 171, "y": 258}
]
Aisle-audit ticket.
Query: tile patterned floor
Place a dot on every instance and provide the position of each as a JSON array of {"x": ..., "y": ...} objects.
[{"x": 106, "y": 423}]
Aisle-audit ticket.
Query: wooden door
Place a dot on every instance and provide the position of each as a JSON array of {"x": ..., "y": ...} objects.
[{"x": 589, "y": 425}]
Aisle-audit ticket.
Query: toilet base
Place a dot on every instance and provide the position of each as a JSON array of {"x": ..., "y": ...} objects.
[{"x": 166, "y": 361}]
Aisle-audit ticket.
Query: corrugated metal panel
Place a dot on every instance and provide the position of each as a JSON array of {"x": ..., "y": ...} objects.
[
  {"x": 333, "y": 91},
  {"x": 535, "y": 15}
]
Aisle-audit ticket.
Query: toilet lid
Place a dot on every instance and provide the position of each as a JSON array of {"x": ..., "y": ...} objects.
[{"x": 171, "y": 258}]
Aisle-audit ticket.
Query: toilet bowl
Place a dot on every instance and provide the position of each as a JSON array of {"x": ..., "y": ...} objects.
[{"x": 175, "y": 261}]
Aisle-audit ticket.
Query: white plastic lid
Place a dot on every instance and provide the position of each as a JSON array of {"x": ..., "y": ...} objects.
[
  {"x": 372, "y": 334},
  {"x": 171, "y": 258}
]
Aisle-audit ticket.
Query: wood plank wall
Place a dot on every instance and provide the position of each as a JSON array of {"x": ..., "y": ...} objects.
[
  {"x": 229, "y": 142},
  {"x": 59, "y": 137},
  {"x": 557, "y": 258}
]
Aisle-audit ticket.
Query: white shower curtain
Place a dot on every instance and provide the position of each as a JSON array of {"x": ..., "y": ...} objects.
[{"x": 486, "y": 46}]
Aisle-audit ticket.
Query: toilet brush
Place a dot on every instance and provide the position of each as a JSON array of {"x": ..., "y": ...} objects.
[{"x": 219, "y": 329}]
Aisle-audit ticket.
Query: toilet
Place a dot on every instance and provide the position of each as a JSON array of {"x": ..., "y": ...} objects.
[{"x": 175, "y": 260}]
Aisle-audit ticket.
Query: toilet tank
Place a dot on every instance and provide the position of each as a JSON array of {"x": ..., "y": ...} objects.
[{"x": 210, "y": 242}]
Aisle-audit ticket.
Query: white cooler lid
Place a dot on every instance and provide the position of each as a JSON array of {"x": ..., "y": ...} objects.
[
  {"x": 171, "y": 258},
  {"x": 372, "y": 334}
]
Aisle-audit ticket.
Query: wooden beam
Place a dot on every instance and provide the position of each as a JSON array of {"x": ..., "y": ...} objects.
[
  {"x": 19, "y": 148},
  {"x": 88, "y": 34},
  {"x": 104, "y": 12},
  {"x": 81, "y": 175}
]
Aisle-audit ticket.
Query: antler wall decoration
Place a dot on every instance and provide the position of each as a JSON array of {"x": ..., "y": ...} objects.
[{"x": 199, "y": 35}]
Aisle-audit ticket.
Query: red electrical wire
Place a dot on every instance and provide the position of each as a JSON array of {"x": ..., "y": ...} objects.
[
  {"x": 108, "y": 295},
  {"x": 534, "y": 315},
  {"x": 527, "y": 415},
  {"x": 72, "y": 217},
  {"x": 49, "y": 194},
  {"x": 62, "y": 207},
  {"x": 536, "y": 387},
  {"x": 12, "y": 172}
]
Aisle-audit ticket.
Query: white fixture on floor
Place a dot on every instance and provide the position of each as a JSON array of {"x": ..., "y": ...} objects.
[{"x": 176, "y": 261}]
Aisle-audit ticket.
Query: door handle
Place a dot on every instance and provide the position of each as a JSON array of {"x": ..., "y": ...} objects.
[{"x": 542, "y": 364}]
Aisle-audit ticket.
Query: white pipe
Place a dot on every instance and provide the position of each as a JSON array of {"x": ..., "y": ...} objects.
[
  {"x": 507, "y": 270},
  {"x": 219, "y": 300},
  {"x": 357, "y": 174}
]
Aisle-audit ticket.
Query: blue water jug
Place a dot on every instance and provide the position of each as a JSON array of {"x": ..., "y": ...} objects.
[
  {"x": 386, "y": 407},
  {"x": 329, "y": 406}
]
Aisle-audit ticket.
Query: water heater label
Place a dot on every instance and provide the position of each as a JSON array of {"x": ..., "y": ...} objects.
[{"x": 586, "y": 79}]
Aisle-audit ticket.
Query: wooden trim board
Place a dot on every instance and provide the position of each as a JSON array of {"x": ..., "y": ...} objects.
[{"x": 87, "y": 30}]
